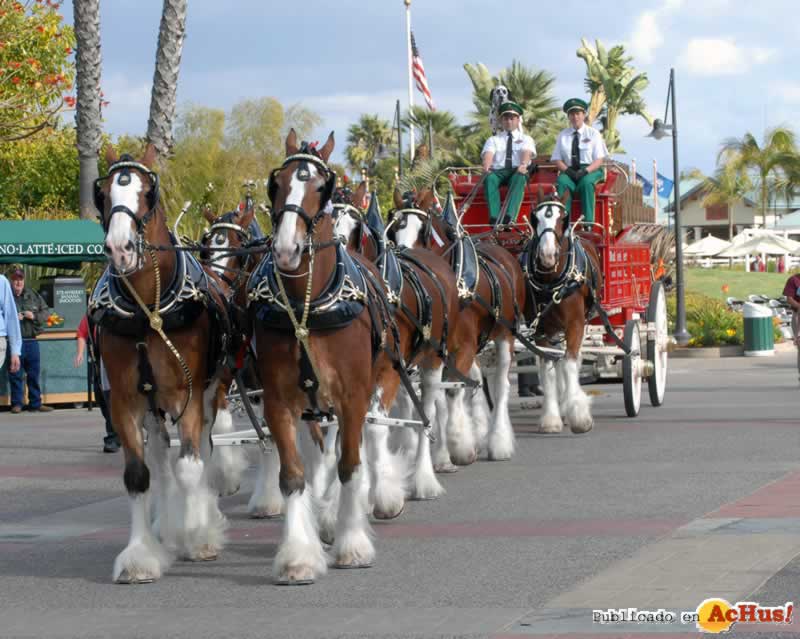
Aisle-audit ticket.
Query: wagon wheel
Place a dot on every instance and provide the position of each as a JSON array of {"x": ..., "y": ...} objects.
[
  {"x": 657, "y": 340},
  {"x": 622, "y": 181},
  {"x": 631, "y": 369}
]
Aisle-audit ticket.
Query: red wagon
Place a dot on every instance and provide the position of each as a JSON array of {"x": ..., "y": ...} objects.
[{"x": 633, "y": 295}]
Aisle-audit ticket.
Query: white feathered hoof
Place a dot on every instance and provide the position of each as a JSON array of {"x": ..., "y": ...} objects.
[
  {"x": 297, "y": 565},
  {"x": 141, "y": 563},
  {"x": 551, "y": 424},
  {"x": 300, "y": 575},
  {"x": 266, "y": 513},
  {"x": 462, "y": 453},
  {"x": 205, "y": 552},
  {"x": 501, "y": 448},
  {"x": 579, "y": 417},
  {"x": 354, "y": 549},
  {"x": 389, "y": 510}
]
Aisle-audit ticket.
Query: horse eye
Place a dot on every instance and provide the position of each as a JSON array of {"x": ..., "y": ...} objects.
[{"x": 219, "y": 240}]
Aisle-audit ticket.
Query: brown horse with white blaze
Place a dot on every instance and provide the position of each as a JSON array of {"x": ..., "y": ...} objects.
[
  {"x": 163, "y": 320},
  {"x": 564, "y": 276},
  {"x": 323, "y": 341}
]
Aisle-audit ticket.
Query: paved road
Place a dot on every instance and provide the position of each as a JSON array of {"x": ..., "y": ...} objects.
[{"x": 699, "y": 498}]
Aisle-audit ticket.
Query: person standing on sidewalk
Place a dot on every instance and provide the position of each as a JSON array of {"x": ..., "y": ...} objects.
[
  {"x": 10, "y": 335},
  {"x": 32, "y": 314},
  {"x": 792, "y": 293},
  {"x": 111, "y": 440}
]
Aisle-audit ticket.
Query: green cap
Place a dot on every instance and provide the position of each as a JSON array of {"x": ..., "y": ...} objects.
[
  {"x": 510, "y": 107},
  {"x": 575, "y": 103}
]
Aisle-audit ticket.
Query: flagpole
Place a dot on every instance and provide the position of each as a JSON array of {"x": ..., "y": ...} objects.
[
  {"x": 634, "y": 180},
  {"x": 655, "y": 189},
  {"x": 410, "y": 78}
]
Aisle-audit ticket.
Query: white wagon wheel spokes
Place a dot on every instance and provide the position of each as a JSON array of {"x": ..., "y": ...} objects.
[
  {"x": 631, "y": 369},
  {"x": 657, "y": 344}
]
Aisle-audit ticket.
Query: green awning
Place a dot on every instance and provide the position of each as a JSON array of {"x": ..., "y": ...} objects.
[{"x": 51, "y": 242}]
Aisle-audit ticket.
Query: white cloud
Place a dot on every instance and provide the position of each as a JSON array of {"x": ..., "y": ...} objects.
[
  {"x": 722, "y": 56},
  {"x": 646, "y": 37}
]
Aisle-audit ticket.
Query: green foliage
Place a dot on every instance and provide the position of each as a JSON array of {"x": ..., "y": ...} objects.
[
  {"x": 363, "y": 140},
  {"x": 35, "y": 69},
  {"x": 39, "y": 176},
  {"x": 533, "y": 91},
  {"x": 615, "y": 88},
  {"x": 709, "y": 321}
]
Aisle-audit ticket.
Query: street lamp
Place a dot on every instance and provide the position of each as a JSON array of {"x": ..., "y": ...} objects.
[{"x": 660, "y": 131}]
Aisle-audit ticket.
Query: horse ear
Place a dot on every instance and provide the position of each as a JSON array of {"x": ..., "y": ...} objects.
[
  {"x": 425, "y": 199},
  {"x": 358, "y": 196},
  {"x": 208, "y": 214},
  {"x": 327, "y": 148},
  {"x": 398, "y": 199},
  {"x": 291, "y": 142},
  {"x": 111, "y": 155},
  {"x": 150, "y": 155}
]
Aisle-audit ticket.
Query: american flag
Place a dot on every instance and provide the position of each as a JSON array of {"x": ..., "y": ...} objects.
[{"x": 419, "y": 74}]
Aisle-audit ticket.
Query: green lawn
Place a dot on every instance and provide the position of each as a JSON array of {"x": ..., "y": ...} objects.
[{"x": 709, "y": 281}]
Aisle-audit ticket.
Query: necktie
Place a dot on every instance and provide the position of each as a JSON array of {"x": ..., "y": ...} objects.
[
  {"x": 509, "y": 140},
  {"x": 576, "y": 152}
]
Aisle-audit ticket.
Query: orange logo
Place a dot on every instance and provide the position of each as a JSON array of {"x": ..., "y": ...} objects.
[{"x": 717, "y": 615}]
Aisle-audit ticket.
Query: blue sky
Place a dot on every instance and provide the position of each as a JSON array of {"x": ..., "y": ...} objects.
[{"x": 736, "y": 63}]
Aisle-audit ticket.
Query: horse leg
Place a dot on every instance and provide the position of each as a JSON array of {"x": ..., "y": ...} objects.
[
  {"x": 501, "y": 436},
  {"x": 266, "y": 501},
  {"x": 478, "y": 408},
  {"x": 388, "y": 472},
  {"x": 228, "y": 463},
  {"x": 144, "y": 559},
  {"x": 551, "y": 418},
  {"x": 165, "y": 522},
  {"x": 203, "y": 531},
  {"x": 300, "y": 558},
  {"x": 577, "y": 411},
  {"x": 353, "y": 547},
  {"x": 403, "y": 440},
  {"x": 425, "y": 485},
  {"x": 329, "y": 505},
  {"x": 460, "y": 434}
]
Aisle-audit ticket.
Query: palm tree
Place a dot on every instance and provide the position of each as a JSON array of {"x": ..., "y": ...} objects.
[
  {"x": 446, "y": 131},
  {"x": 86, "y": 14},
  {"x": 165, "y": 80},
  {"x": 364, "y": 138},
  {"x": 615, "y": 88},
  {"x": 766, "y": 161},
  {"x": 532, "y": 90}
]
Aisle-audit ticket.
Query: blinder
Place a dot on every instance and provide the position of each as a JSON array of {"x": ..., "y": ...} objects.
[{"x": 125, "y": 163}]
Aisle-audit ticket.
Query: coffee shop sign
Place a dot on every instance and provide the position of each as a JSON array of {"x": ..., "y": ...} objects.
[{"x": 50, "y": 248}]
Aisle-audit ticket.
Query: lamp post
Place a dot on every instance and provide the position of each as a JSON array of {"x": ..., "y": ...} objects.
[{"x": 661, "y": 130}]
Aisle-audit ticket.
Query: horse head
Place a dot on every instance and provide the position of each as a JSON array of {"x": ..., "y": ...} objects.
[
  {"x": 411, "y": 222},
  {"x": 300, "y": 191},
  {"x": 227, "y": 232},
  {"x": 348, "y": 219},
  {"x": 549, "y": 223},
  {"x": 127, "y": 200}
]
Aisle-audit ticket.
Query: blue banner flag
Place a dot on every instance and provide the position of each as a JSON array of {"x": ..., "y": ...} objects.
[
  {"x": 647, "y": 185},
  {"x": 664, "y": 186}
]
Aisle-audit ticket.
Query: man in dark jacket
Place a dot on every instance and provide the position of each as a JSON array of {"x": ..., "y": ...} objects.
[{"x": 32, "y": 313}]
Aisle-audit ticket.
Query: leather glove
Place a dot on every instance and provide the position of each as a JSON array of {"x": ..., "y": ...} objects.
[
  {"x": 572, "y": 174},
  {"x": 580, "y": 174}
]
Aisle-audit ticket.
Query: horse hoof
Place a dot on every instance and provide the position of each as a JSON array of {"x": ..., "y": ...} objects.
[
  {"x": 326, "y": 537},
  {"x": 466, "y": 460},
  {"x": 126, "y": 578},
  {"x": 385, "y": 516},
  {"x": 296, "y": 576},
  {"x": 551, "y": 424},
  {"x": 229, "y": 492},
  {"x": 445, "y": 469},
  {"x": 351, "y": 563},
  {"x": 265, "y": 514},
  {"x": 498, "y": 457},
  {"x": 579, "y": 429}
]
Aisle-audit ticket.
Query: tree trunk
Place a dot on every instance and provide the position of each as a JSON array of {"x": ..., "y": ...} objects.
[
  {"x": 165, "y": 80},
  {"x": 86, "y": 15}
]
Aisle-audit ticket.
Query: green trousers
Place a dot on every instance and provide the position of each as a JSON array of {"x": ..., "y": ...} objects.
[
  {"x": 585, "y": 189},
  {"x": 516, "y": 191}
]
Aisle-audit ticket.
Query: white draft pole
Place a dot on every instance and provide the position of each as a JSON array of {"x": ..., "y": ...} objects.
[{"x": 411, "y": 143}]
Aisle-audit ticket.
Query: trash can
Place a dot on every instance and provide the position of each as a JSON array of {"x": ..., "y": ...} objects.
[{"x": 758, "y": 333}]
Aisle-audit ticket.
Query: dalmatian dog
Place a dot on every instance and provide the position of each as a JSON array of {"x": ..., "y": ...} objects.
[{"x": 497, "y": 96}]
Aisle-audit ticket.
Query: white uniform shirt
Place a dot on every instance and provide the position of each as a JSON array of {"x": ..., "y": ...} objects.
[
  {"x": 590, "y": 142},
  {"x": 497, "y": 145}
]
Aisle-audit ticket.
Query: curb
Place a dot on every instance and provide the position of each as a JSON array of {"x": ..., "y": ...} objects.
[{"x": 715, "y": 352}]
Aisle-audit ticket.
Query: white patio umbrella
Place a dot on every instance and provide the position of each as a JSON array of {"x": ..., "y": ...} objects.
[
  {"x": 768, "y": 244},
  {"x": 707, "y": 246}
]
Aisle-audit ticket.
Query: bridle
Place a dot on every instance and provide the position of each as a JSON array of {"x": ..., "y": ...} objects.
[
  {"x": 304, "y": 157},
  {"x": 345, "y": 208},
  {"x": 224, "y": 223},
  {"x": 538, "y": 236},
  {"x": 123, "y": 166},
  {"x": 399, "y": 218}
]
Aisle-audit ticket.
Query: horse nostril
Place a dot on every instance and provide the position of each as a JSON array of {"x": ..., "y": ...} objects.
[
  {"x": 296, "y": 249},
  {"x": 129, "y": 246},
  {"x": 107, "y": 250}
]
